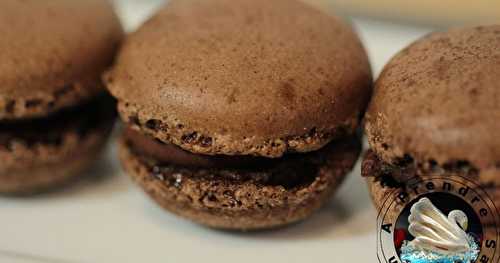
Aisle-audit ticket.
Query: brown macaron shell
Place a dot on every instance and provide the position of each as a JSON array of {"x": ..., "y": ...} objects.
[
  {"x": 245, "y": 199},
  {"x": 435, "y": 112},
  {"x": 40, "y": 154},
  {"x": 241, "y": 77},
  {"x": 53, "y": 53},
  {"x": 439, "y": 100},
  {"x": 30, "y": 174}
]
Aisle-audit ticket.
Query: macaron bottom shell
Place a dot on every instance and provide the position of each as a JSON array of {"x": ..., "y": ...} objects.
[
  {"x": 249, "y": 198},
  {"x": 42, "y": 154}
]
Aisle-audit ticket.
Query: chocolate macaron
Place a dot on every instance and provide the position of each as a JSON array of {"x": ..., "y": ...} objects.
[
  {"x": 54, "y": 111},
  {"x": 241, "y": 114},
  {"x": 435, "y": 112}
]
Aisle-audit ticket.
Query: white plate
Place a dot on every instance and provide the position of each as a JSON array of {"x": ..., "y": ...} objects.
[{"x": 108, "y": 219}]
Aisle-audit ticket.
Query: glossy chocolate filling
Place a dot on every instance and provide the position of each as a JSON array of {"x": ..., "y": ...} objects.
[
  {"x": 167, "y": 162},
  {"x": 48, "y": 130},
  {"x": 172, "y": 154}
]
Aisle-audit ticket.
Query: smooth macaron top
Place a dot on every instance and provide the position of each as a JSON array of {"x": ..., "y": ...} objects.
[
  {"x": 439, "y": 100},
  {"x": 53, "y": 53},
  {"x": 243, "y": 77}
]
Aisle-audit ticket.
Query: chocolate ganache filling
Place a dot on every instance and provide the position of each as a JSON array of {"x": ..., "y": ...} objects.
[
  {"x": 172, "y": 154},
  {"x": 290, "y": 171}
]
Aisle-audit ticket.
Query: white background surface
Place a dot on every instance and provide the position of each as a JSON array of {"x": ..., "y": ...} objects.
[{"x": 108, "y": 219}]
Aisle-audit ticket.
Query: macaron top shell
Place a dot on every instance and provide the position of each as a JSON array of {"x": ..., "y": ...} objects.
[
  {"x": 248, "y": 76},
  {"x": 439, "y": 100},
  {"x": 53, "y": 53}
]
